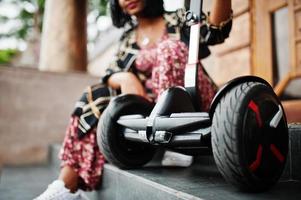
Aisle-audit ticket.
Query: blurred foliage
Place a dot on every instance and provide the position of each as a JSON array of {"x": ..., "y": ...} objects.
[
  {"x": 26, "y": 19},
  {"x": 29, "y": 19},
  {"x": 7, "y": 55},
  {"x": 100, "y": 6}
]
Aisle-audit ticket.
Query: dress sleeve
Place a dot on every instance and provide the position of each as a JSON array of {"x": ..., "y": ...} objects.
[
  {"x": 116, "y": 65},
  {"x": 210, "y": 34},
  {"x": 113, "y": 68},
  {"x": 124, "y": 58}
]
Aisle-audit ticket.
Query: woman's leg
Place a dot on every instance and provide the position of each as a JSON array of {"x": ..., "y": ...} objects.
[
  {"x": 206, "y": 89},
  {"x": 81, "y": 166},
  {"x": 82, "y": 162},
  {"x": 170, "y": 65},
  {"x": 170, "y": 70},
  {"x": 69, "y": 177}
]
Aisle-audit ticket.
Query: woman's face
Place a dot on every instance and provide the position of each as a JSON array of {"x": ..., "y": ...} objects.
[{"x": 131, "y": 7}]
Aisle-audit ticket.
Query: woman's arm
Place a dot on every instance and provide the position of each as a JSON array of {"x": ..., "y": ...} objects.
[
  {"x": 218, "y": 24},
  {"x": 127, "y": 82},
  {"x": 221, "y": 11}
]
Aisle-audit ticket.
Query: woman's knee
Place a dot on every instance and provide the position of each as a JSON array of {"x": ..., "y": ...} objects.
[{"x": 172, "y": 56}]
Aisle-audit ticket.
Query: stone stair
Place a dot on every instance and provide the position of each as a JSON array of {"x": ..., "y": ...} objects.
[
  {"x": 154, "y": 182},
  {"x": 28, "y": 181},
  {"x": 199, "y": 181},
  {"x": 293, "y": 168}
]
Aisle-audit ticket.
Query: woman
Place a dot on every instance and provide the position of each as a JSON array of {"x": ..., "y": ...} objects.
[{"x": 152, "y": 56}]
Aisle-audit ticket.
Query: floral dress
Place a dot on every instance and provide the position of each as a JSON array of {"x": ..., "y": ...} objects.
[{"x": 163, "y": 65}]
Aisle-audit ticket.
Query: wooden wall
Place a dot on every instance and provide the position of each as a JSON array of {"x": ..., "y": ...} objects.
[{"x": 232, "y": 58}]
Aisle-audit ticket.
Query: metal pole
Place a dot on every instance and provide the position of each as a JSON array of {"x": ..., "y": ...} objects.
[
  {"x": 196, "y": 7},
  {"x": 191, "y": 70}
]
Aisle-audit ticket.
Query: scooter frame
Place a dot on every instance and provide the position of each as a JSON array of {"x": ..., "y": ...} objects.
[{"x": 258, "y": 152}]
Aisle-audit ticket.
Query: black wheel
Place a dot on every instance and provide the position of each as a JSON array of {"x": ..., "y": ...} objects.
[
  {"x": 250, "y": 137},
  {"x": 117, "y": 150}
]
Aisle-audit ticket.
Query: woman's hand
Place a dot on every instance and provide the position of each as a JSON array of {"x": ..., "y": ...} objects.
[{"x": 128, "y": 83}]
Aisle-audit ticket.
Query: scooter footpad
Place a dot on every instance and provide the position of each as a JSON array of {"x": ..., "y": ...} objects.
[{"x": 190, "y": 114}]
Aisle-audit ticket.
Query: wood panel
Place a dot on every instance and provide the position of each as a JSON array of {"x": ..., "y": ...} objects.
[
  {"x": 229, "y": 66},
  {"x": 240, "y": 6},
  {"x": 298, "y": 57},
  {"x": 298, "y": 40},
  {"x": 262, "y": 63},
  {"x": 298, "y": 24},
  {"x": 297, "y": 2},
  {"x": 239, "y": 36},
  {"x": 293, "y": 43},
  {"x": 233, "y": 57},
  {"x": 292, "y": 110}
]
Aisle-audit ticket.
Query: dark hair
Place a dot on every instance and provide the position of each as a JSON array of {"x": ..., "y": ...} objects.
[{"x": 153, "y": 8}]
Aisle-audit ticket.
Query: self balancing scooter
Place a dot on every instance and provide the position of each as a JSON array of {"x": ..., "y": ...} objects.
[{"x": 246, "y": 126}]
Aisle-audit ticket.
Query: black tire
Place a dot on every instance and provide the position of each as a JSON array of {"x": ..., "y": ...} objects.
[
  {"x": 118, "y": 151},
  {"x": 248, "y": 152}
]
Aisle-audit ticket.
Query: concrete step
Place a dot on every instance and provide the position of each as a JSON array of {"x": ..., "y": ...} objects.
[
  {"x": 27, "y": 182},
  {"x": 154, "y": 182},
  {"x": 293, "y": 170},
  {"x": 199, "y": 181}
]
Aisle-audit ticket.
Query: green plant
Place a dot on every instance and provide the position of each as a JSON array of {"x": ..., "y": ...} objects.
[{"x": 6, "y": 55}]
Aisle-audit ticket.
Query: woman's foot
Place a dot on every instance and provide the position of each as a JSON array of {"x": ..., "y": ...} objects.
[
  {"x": 57, "y": 191},
  {"x": 174, "y": 159}
]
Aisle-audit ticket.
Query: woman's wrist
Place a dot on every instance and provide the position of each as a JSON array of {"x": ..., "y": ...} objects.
[{"x": 221, "y": 12}]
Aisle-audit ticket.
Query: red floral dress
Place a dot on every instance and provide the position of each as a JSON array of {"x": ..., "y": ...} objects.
[{"x": 163, "y": 64}]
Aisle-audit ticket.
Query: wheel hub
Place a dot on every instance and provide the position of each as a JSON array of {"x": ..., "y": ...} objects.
[{"x": 264, "y": 145}]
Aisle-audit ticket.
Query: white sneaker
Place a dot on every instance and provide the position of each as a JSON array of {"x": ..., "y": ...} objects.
[
  {"x": 175, "y": 159},
  {"x": 57, "y": 191}
]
